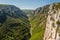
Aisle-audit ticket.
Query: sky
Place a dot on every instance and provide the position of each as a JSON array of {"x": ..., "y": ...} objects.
[{"x": 28, "y": 4}]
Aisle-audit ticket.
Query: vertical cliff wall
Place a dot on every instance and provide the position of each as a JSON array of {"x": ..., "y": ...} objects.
[{"x": 52, "y": 25}]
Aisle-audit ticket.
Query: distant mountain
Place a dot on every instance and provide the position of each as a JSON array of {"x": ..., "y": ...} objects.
[
  {"x": 28, "y": 12},
  {"x": 14, "y": 24}
]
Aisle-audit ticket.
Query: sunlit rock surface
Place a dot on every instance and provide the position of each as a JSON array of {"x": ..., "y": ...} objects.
[{"x": 53, "y": 23}]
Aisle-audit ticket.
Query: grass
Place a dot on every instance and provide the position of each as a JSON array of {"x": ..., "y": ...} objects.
[{"x": 38, "y": 27}]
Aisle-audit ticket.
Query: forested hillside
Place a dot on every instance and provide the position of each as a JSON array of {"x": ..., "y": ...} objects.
[{"x": 14, "y": 24}]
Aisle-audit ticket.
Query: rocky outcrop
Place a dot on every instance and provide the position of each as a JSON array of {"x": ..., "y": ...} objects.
[
  {"x": 52, "y": 25},
  {"x": 45, "y": 23}
]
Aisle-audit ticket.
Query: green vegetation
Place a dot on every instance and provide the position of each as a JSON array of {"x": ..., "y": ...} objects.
[
  {"x": 14, "y": 26},
  {"x": 4, "y": 5},
  {"x": 38, "y": 23},
  {"x": 56, "y": 6},
  {"x": 58, "y": 29},
  {"x": 38, "y": 27}
]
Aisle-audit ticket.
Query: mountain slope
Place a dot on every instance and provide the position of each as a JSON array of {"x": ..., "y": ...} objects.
[
  {"x": 38, "y": 22},
  {"x": 39, "y": 19},
  {"x": 14, "y": 24}
]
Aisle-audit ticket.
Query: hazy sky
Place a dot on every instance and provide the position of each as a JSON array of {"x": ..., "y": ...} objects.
[{"x": 28, "y": 4}]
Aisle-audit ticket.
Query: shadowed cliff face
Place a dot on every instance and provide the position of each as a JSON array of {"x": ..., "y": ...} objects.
[{"x": 14, "y": 24}]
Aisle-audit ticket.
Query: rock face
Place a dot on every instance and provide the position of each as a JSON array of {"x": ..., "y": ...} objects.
[
  {"x": 45, "y": 23},
  {"x": 52, "y": 25}
]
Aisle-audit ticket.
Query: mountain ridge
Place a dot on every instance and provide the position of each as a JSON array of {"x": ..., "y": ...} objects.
[{"x": 14, "y": 24}]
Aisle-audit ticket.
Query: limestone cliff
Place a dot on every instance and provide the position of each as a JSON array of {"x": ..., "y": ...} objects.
[
  {"x": 45, "y": 23},
  {"x": 52, "y": 24}
]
